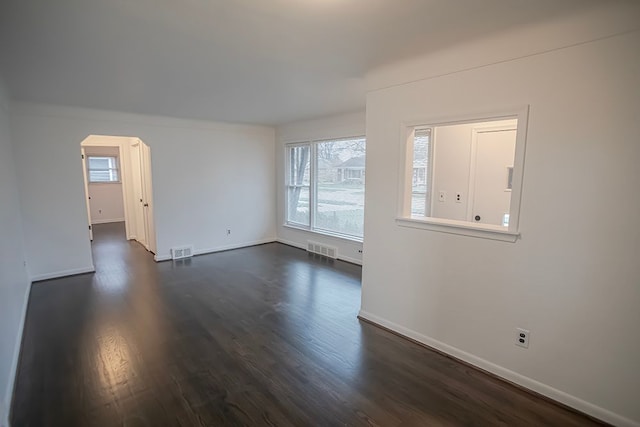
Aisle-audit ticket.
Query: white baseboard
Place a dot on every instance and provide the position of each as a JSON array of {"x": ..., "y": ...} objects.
[
  {"x": 236, "y": 246},
  {"x": 349, "y": 259},
  {"x": 106, "y": 221},
  {"x": 57, "y": 274},
  {"x": 304, "y": 247},
  {"x": 511, "y": 376},
  {"x": 5, "y": 408},
  {"x": 167, "y": 257},
  {"x": 290, "y": 243}
]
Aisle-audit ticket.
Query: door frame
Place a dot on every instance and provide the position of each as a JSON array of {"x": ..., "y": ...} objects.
[
  {"x": 141, "y": 165},
  {"x": 83, "y": 156},
  {"x": 124, "y": 144},
  {"x": 473, "y": 160}
]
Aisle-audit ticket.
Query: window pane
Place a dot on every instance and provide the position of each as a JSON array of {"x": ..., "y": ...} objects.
[
  {"x": 99, "y": 163},
  {"x": 99, "y": 176},
  {"x": 419, "y": 185},
  {"x": 299, "y": 176},
  {"x": 298, "y": 209},
  {"x": 340, "y": 169},
  {"x": 299, "y": 165},
  {"x": 103, "y": 169},
  {"x": 114, "y": 175}
]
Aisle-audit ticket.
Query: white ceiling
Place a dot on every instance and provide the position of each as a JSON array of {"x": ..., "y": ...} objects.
[{"x": 252, "y": 61}]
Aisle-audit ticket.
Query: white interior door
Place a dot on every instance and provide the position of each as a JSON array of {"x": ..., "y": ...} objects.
[
  {"x": 147, "y": 191},
  {"x": 87, "y": 198},
  {"x": 138, "y": 194},
  {"x": 494, "y": 154}
]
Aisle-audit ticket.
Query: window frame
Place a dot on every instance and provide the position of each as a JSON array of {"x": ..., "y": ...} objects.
[
  {"x": 428, "y": 173},
  {"x": 117, "y": 168},
  {"x": 404, "y": 216},
  {"x": 313, "y": 187},
  {"x": 289, "y": 186}
]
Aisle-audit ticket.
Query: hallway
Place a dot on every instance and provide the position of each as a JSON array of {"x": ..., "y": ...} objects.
[{"x": 265, "y": 335}]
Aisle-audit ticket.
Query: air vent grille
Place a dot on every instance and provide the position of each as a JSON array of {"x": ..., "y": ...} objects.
[
  {"x": 181, "y": 252},
  {"x": 321, "y": 249}
]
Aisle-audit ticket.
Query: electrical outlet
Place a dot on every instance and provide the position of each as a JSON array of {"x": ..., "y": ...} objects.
[
  {"x": 522, "y": 338},
  {"x": 359, "y": 251},
  {"x": 442, "y": 196}
]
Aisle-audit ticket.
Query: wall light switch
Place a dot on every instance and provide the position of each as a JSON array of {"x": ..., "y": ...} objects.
[
  {"x": 442, "y": 196},
  {"x": 458, "y": 197}
]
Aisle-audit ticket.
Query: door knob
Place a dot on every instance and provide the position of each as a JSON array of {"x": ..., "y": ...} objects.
[{"x": 477, "y": 218}]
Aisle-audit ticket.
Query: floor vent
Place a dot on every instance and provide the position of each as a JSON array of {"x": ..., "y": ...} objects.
[
  {"x": 320, "y": 249},
  {"x": 182, "y": 252}
]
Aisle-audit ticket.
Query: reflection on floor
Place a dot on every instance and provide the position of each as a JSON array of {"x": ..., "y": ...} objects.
[{"x": 265, "y": 335}]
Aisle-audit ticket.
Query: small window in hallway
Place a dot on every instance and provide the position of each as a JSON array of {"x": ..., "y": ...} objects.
[{"x": 103, "y": 169}]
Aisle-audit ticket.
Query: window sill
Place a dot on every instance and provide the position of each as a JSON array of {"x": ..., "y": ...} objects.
[
  {"x": 325, "y": 233},
  {"x": 492, "y": 232}
]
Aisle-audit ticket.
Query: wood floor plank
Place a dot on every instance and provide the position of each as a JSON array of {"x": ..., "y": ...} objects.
[{"x": 260, "y": 336}]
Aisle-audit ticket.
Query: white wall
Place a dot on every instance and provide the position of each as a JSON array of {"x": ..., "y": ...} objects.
[
  {"x": 207, "y": 178},
  {"x": 451, "y": 159},
  {"x": 106, "y": 202},
  {"x": 14, "y": 284},
  {"x": 106, "y": 198},
  {"x": 343, "y": 125},
  {"x": 573, "y": 279}
]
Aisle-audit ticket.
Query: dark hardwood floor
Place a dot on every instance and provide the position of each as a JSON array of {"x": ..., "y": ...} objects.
[{"x": 261, "y": 336}]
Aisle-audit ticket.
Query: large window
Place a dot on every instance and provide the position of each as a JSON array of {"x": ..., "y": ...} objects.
[
  {"x": 325, "y": 186},
  {"x": 464, "y": 176},
  {"x": 103, "y": 169}
]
